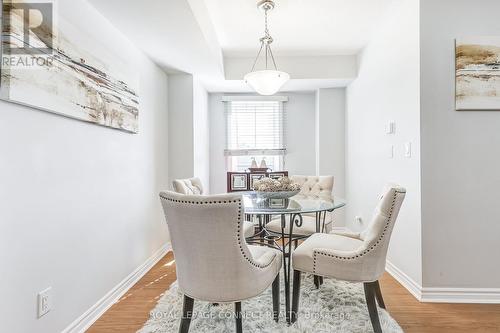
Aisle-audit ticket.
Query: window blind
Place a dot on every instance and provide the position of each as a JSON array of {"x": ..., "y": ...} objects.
[{"x": 255, "y": 128}]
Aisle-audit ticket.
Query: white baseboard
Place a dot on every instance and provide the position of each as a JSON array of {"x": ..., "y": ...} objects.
[
  {"x": 86, "y": 320},
  {"x": 411, "y": 285},
  {"x": 461, "y": 295},
  {"x": 444, "y": 295}
]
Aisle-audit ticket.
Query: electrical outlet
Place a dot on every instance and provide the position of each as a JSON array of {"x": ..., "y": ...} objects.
[
  {"x": 358, "y": 219},
  {"x": 44, "y": 302}
]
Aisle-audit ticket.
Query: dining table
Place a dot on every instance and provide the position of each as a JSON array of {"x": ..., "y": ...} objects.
[{"x": 290, "y": 211}]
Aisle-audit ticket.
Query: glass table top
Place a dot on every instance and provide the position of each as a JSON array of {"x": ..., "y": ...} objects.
[{"x": 297, "y": 204}]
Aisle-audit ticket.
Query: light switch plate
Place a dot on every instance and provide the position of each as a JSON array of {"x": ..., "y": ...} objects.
[
  {"x": 407, "y": 149},
  {"x": 390, "y": 127},
  {"x": 390, "y": 152},
  {"x": 44, "y": 302}
]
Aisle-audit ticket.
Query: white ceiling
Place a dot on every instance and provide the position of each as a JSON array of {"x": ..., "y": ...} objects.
[
  {"x": 171, "y": 32},
  {"x": 299, "y": 27},
  {"x": 200, "y": 36}
]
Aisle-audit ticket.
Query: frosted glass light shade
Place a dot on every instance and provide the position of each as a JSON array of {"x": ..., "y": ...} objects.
[{"x": 267, "y": 82}]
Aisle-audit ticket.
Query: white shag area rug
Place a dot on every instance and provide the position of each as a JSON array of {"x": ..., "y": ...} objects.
[{"x": 335, "y": 307}]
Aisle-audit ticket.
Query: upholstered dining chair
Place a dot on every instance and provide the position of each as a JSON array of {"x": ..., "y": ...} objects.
[
  {"x": 194, "y": 186},
  {"x": 190, "y": 186},
  {"x": 213, "y": 261},
  {"x": 350, "y": 256},
  {"x": 317, "y": 186},
  {"x": 314, "y": 186}
]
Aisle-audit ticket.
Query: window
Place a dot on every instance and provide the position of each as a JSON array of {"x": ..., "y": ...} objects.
[{"x": 255, "y": 129}]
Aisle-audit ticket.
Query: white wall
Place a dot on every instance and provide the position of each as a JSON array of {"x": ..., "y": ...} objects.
[
  {"x": 387, "y": 88},
  {"x": 217, "y": 134},
  {"x": 201, "y": 137},
  {"x": 79, "y": 207},
  {"x": 188, "y": 129},
  {"x": 180, "y": 127},
  {"x": 460, "y": 162},
  {"x": 301, "y": 133},
  {"x": 330, "y": 141},
  {"x": 300, "y": 117},
  {"x": 339, "y": 67}
]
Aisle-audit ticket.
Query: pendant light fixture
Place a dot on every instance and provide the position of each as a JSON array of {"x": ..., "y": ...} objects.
[{"x": 267, "y": 81}]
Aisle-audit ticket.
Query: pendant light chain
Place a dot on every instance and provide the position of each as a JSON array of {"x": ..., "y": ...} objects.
[
  {"x": 265, "y": 43},
  {"x": 266, "y": 82},
  {"x": 266, "y": 31},
  {"x": 266, "y": 34},
  {"x": 268, "y": 40}
]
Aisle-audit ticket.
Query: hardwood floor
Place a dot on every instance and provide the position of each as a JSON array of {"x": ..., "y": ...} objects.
[
  {"x": 416, "y": 317},
  {"x": 132, "y": 311}
]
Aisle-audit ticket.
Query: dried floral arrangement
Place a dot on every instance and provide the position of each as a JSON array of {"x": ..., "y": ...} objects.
[{"x": 275, "y": 185}]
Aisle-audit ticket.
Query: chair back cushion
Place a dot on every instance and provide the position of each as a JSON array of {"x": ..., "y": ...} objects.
[
  {"x": 378, "y": 234},
  {"x": 191, "y": 186},
  {"x": 213, "y": 261},
  {"x": 315, "y": 185}
]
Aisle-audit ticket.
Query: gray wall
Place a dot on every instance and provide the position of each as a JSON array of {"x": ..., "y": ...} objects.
[
  {"x": 300, "y": 120},
  {"x": 315, "y": 138},
  {"x": 201, "y": 135},
  {"x": 188, "y": 130},
  {"x": 300, "y": 130},
  {"x": 460, "y": 155},
  {"x": 217, "y": 130},
  {"x": 180, "y": 126},
  {"x": 330, "y": 141}
]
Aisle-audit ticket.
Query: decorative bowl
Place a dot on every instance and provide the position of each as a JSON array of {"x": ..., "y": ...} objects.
[{"x": 277, "y": 195}]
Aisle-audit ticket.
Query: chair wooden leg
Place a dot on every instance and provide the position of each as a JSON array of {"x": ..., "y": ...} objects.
[
  {"x": 237, "y": 313},
  {"x": 370, "y": 291},
  {"x": 316, "y": 281},
  {"x": 320, "y": 280},
  {"x": 378, "y": 294},
  {"x": 276, "y": 298},
  {"x": 187, "y": 314},
  {"x": 296, "y": 295}
]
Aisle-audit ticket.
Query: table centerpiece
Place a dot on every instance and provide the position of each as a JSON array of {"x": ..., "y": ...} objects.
[{"x": 282, "y": 188}]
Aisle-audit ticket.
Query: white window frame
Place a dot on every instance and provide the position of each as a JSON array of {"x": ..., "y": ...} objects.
[{"x": 256, "y": 152}]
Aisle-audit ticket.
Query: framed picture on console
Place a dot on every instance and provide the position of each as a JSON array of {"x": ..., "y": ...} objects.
[
  {"x": 256, "y": 176},
  {"x": 278, "y": 175},
  {"x": 238, "y": 182}
]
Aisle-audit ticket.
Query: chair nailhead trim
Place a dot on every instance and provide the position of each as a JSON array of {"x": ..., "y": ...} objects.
[
  {"x": 250, "y": 260},
  {"x": 365, "y": 251}
]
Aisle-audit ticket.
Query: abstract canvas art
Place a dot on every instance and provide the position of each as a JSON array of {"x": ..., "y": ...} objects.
[
  {"x": 478, "y": 73},
  {"x": 50, "y": 64}
]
